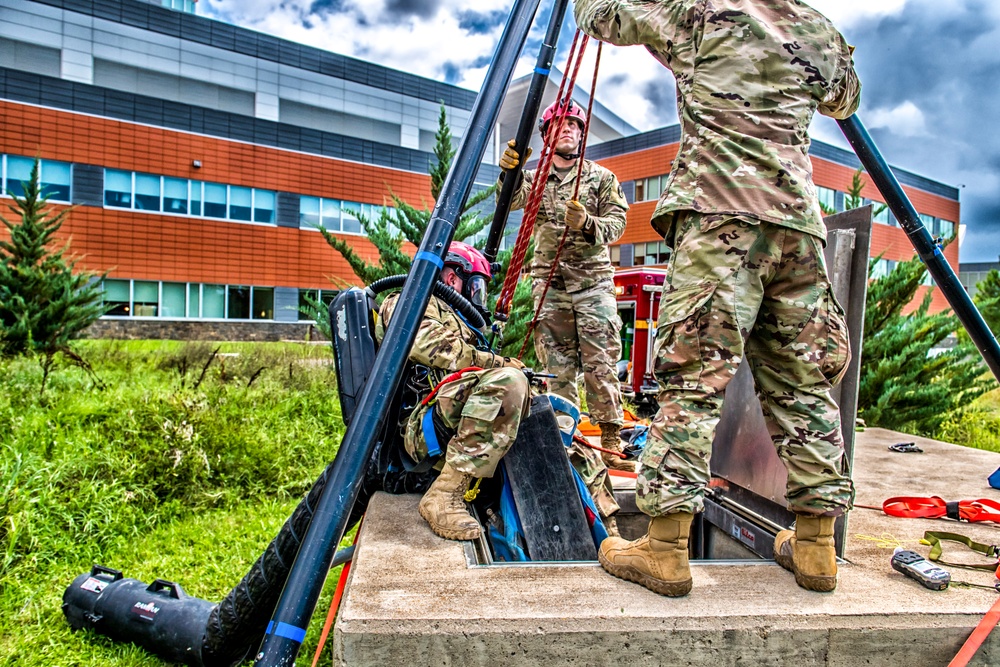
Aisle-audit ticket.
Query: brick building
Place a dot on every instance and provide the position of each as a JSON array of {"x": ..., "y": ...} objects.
[{"x": 200, "y": 157}]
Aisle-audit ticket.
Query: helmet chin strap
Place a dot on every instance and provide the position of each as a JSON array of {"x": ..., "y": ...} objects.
[{"x": 568, "y": 156}]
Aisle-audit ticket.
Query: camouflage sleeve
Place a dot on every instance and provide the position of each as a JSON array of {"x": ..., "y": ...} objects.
[
  {"x": 844, "y": 95},
  {"x": 438, "y": 344},
  {"x": 609, "y": 220},
  {"x": 520, "y": 198},
  {"x": 628, "y": 22}
]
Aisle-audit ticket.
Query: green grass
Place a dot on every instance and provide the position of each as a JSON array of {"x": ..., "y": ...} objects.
[
  {"x": 151, "y": 472},
  {"x": 978, "y": 426}
]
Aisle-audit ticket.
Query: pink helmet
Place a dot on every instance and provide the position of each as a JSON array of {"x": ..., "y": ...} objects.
[
  {"x": 474, "y": 270},
  {"x": 574, "y": 112},
  {"x": 468, "y": 259}
]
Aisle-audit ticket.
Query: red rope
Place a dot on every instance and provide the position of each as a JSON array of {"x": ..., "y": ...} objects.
[
  {"x": 335, "y": 603},
  {"x": 576, "y": 195},
  {"x": 564, "y": 96}
]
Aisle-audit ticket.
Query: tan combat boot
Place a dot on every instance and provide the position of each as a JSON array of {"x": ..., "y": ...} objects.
[
  {"x": 808, "y": 552},
  {"x": 658, "y": 560},
  {"x": 610, "y": 440},
  {"x": 443, "y": 506}
]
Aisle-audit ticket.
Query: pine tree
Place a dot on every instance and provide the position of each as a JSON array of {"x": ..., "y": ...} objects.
[
  {"x": 43, "y": 303},
  {"x": 988, "y": 300},
  {"x": 903, "y": 385}
]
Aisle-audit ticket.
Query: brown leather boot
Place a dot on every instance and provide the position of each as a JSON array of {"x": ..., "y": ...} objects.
[
  {"x": 658, "y": 560},
  {"x": 443, "y": 506},
  {"x": 611, "y": 440},
  {"x": 808, "y": 552}
]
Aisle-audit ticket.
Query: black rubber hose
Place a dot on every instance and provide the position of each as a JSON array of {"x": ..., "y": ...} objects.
[
  {"x": 236, "y": 625},
  {"x": 441, "y": 291}
]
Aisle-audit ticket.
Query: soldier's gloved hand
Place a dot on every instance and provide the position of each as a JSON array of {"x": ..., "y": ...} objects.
[
  {"x": 576, "y": 215},
  {"x": 513, "y": 362},
  {"x": 510, "y": 159}
]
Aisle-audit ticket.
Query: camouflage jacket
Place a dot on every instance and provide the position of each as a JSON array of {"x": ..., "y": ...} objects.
[
  {"x": 750, "y": 75},
  {"x": 444, "y": 343},
  {"x": 585, "y": 259}
]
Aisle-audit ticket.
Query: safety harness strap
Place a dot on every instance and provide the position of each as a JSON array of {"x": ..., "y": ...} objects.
[
  {"x": 935, "y": 507},
  {"x": 934, "y": 539}
]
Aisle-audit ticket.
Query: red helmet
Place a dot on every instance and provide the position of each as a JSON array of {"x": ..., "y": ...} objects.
[
  {"x": 468, "y": 259},
  {"x": 474, "y": 270},
  {"x": 574, "y": 112}
]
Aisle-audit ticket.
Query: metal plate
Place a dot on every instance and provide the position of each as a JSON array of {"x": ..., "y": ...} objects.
[{"x": 747, "y": 469}]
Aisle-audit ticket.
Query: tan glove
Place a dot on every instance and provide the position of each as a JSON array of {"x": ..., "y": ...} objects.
[
  {"x": 513, "y": 362},
  {"x": 510, "y": 159},
  {"x": 576, "y": 215}
]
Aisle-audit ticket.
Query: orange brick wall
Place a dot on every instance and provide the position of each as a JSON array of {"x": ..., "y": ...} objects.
[
  {"x": 892, "y": 241},
  {"x": 165, "y": 247}
]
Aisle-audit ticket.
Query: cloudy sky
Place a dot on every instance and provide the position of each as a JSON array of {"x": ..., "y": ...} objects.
[{"x": 930, "y": 68}]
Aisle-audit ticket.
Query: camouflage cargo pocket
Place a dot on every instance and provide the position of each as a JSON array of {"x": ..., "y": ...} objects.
[
  {"x": 838, "y": 343},
  {"x": 678, "y": 338},
  {"x": 485, "y": 408}
]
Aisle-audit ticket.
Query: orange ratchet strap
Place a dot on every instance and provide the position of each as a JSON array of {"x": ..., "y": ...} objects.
[{"x": 936, "y": 508}]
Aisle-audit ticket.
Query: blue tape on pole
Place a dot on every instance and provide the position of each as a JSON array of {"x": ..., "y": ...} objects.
[
  {"x": 543, "y": 72},
  {"x": 287, "y": 631},
  {"x": 937, "y": 251},
  {"x": 430, "y": 257}
]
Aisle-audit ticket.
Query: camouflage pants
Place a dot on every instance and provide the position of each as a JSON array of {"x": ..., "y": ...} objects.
[
  {"x": 580, "y": 331},
  {"x": 740, "y": 287},
  {"x": 587, "y": 462},
  {"x": 484, "y": 409}
]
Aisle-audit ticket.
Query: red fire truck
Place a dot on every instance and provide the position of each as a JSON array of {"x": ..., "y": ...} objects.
[{"x": 637, "y": 291}]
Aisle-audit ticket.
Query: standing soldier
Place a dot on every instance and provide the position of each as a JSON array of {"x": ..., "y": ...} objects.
[
  {"x": 578, "y": 325},
  {"x": 747, "y": 276},
  {"x": 471, "y": 420}
]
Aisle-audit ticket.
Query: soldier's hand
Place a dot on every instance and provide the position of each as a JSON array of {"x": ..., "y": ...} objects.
[
  {"x": 576, "y": 215},
  {"x": 513, "y": 362},
  {"x": 510, "y": 158}
]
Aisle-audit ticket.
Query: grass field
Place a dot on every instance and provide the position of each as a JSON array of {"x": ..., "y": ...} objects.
[{"x": 164, "y": 468}]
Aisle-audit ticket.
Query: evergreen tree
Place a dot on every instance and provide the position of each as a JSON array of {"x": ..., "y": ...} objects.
[
  {"x": 854, "y": 198},
  {"x": 988, "y": 300},
  {"x": 43, "y": 303},
  {"x": 903, "y": 385}
]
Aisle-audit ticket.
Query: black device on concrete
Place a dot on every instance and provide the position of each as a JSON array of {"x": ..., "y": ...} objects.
[{"x": 918, "y": 568}]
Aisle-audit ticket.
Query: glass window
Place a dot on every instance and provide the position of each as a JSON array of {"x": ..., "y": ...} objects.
[
  {"x": 116, "y": 297},
  {"x": 147, "y": 192},
  {"x": 881, "y": 212},
  {"x": 174, "y": 300},
  {"x": 827, "y": 198},
  {"x": 240, "y": 203},
  {"x": 18, "y": 173},
  {"x": 175, "y": 195},
  {"x": 238, "y": 304},
  {"x": 196, "y": 197},
  {"x": 308, "y": 211},
  {"x": 928, "y": 222},
  {"x": 350, "y": 222},
  {"x": 639, "y": 254},
  {"x": 55, "y": 180},
  {"x": 305, "y": 296},
  {"x": 331, "y": 214},
  {"x": 117, "y": 188},
  {"x": 263, "y": 206},
  {"x": 946, "y": 228},
  {"x": 213, "y": 301},
  {"x": 640, "y": 190},
  {"x": 194, "y": 301},
  {"x": 145, "y": 298},
  {"x": 616, "y": 255},
  {"x": 263, "y": 303},
  {"x": 215, "y": 200}
]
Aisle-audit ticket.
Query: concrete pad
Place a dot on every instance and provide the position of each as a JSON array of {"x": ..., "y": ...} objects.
[{"x": 415, "y": 599}]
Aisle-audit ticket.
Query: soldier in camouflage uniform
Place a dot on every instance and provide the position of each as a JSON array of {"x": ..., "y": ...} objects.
[
  {"x": 747, "y": 275},
  {"x": 483, "y": 408},
  {"x": 578, "y": 326}
]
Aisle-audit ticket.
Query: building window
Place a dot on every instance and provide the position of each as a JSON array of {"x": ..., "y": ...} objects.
[
  {"x": 149, "y": 298},
  {"x": 827, "y": 199},
  {"x": 179, "y": 196},
  {"x": 335, "y": 215},
  {"x": 54, "y": 178},
  {"x": 946, "y": 229},
  {"x": 648, "y": 189},
  {"x": 882, "y": 267},
  {"x": 616, "y": 255},
  {"x": 928, "y": 222},
  {"x": 309, "y": 296}
]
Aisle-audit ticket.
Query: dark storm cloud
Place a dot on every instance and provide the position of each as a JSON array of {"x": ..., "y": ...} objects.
[
  {"x": 948, "y": 65},
  {"x": 481, "y": 23}
]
